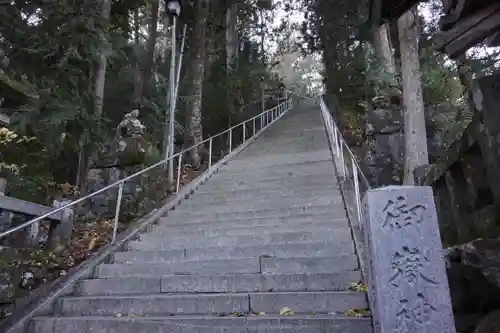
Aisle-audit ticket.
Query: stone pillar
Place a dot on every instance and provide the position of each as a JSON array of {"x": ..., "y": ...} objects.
[
  {"x": 5, "y": 216},
  {"x": 384, "y": 147},
  {"x": 407, "y": 277},
  {"x": 460, "y": 206},
  {"x": 486, "y": 99},
  {"x": 61, "y": 233},
  {"x": 32, "y": 236}
]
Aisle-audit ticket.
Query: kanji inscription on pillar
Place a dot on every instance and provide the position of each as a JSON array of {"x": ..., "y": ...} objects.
[{"x": 408, "y": 275}]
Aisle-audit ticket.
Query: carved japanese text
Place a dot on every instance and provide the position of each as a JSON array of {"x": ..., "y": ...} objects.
[
  {"x": 407, "y": 265},
  {"x": 398, "y": 214}
]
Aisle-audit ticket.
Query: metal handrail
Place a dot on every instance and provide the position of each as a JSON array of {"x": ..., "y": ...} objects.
[
  {"x": 339, "y": 145},
  {"x": 267, "y": 117}
]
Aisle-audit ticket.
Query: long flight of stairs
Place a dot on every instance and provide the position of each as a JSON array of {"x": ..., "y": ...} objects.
[{"x": 267, "y": 234}]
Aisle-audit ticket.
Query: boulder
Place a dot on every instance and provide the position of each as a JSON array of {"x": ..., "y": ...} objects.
[
  {"x": 490, "y": 323},
  {"x": 474, "y": 278}
]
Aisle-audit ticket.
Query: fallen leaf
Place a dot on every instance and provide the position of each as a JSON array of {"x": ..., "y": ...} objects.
[
  {"x": 358, "y": 313},
  {"x": 359, "y": 287},
  {"x": 92, "y": 243},
  {"x": 286, "y": 312}
]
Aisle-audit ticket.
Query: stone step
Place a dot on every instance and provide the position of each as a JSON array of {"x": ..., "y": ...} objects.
[
  {"x": 199, "y": 200},
  {"x": 208, "y": 188},
  {"x": 150, "y": 243},
  {"x": 169, "y": 231},
  {"x": 210, "y": 304},
  {"x": 309, "y": 249},
  {"x": 231, "y": 172},
  {"x": 254, "y": 204},
  {"x": 318, "y": 220},
  {"x": 200, "y": 324},
  {"x": 299, "y": 183},
  {"x": 181, "y": 221},
  {"x": 324, "y": 171},
  {"x": 220, "y": 283},
  {"x": 244, "y": 180},
  {"x": 339, "y": 212},
  {"x": 184, "y": 267},
  {"x": 232, "y": 236},
  {"x": 279, "y": 159},
  {"x": 243, "y": 207},
  {"x": 256, "y": 192},
  {"x": 333, "y": 264}
]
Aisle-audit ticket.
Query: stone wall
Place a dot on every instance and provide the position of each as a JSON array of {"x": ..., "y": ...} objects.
[
  {"x": 466, "y": 178},
  {"x": 466, "y": 184}
]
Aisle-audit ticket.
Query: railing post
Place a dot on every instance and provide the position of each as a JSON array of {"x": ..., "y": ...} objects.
[
  {"x": 356, "y": 191},
  {"x": 342, "y": 160},
  {"x": 337, "y": 140},
  {"x": 210, "y": 154},
  {"x": 244, "y": 131},
  {"x": 254, "y": 121},
  {"x": 179, "y": 168},
  {"x": 231, "y": 139},
  {"x": 117, "y": 212}
]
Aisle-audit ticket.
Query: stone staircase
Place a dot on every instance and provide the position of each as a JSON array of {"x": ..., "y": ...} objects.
[{"x": 267, "y": 232}]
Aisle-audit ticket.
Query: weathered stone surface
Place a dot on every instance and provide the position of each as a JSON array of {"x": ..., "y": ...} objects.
[
  {"x": 6, "y": 287},
  {"x": 489, "y": 324},
  {"x": 409, "y": 288},
  {"x": 474, "y": 277},
  {"x": 383, "y": 149},
  {"x": 489, "y": 86}
]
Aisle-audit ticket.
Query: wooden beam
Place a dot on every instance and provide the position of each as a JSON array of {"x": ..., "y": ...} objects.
[
  {"x": 452, "y": 14},
  {"x": 376, "y": 12},
  {"x": 447, "y": 4},
  {"x": 474, "y": 36},
  {"x": 494, "y": 40},
  {"x": 470, "y": 31}
]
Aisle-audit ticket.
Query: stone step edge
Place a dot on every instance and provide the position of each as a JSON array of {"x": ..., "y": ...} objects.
[
  {"x": 318, "y": 317},
  {"x": 259, "y": 282},
  {"x": 167, "y": 219},
  {"x": 210, "y": 295}
]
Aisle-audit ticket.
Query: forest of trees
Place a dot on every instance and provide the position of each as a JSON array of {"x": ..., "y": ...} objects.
[
  {"x": 88, "y": 65},
  {"x": 90, "y": 62}
]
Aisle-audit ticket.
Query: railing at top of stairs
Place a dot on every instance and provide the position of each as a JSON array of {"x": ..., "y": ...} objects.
[
  {"x": 396, "y": 233},
  {"x": 249, "y": 129}
]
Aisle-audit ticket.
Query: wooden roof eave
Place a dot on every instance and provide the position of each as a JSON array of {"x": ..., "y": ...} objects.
[{"x": 470, "y": 31}]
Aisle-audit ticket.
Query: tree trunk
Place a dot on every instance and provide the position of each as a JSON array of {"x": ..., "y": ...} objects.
[
  {"x": 413, "y": 104},
  {"x": 231, "y": 56},
  {"x": 100, "y": 68},
  {"x": 150, "y": 50},
  {"x": 193, "y": 130},
  {"x": 137, "y": 71},
  {"x": 383, "y": 130},
  {"x": 231, "y": 36},
  {"x": 88, "y": 150},
  {"x": 383, "y": 48}
]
